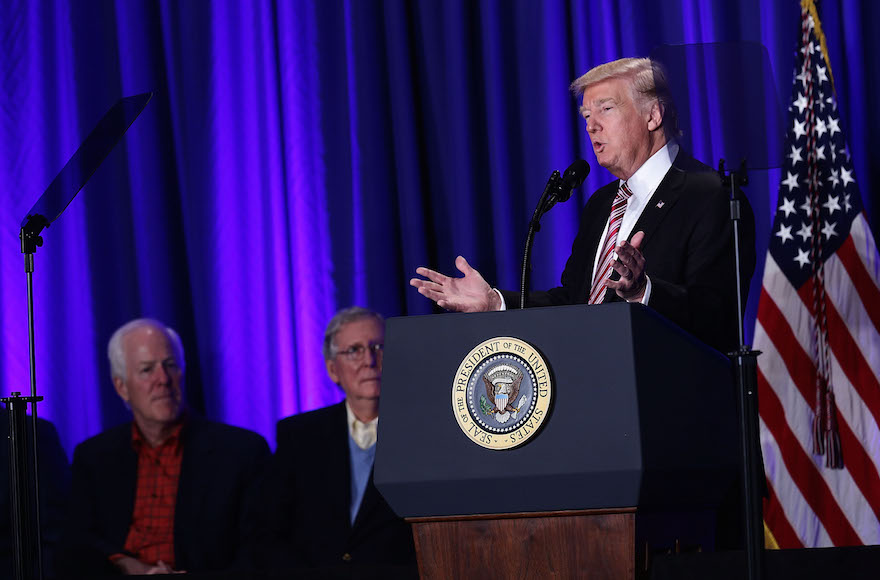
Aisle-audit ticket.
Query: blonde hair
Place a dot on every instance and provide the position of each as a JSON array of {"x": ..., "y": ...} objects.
[{"x": 646, "y": 79}]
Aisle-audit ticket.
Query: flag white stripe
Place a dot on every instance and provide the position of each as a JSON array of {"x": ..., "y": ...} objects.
[
  {"x": 866, "y": 248},
  {"x": 839, "y": 289},
  {"x": 780, "y": 290},
  {"x": 798, "y": 416},
  {"x": 853, "y": 410},
  {"x": 850, "y": 403},
  {"x": 795, "y": 508}
]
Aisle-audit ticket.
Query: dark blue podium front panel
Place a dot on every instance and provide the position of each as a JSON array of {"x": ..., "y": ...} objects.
[{"x": 643, "y": 415}]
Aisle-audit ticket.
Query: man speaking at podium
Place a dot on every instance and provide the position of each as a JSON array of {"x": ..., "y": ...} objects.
[{"x": 661, "y": 235}]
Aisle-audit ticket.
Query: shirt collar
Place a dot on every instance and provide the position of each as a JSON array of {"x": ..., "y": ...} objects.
[
  {"x": 363, "y": 434},
  {"x": 647, "y": 178},
  {"x": 138, "y": 442}
]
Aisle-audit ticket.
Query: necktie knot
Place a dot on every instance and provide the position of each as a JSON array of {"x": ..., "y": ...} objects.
[{"x": 623, "y": 192}]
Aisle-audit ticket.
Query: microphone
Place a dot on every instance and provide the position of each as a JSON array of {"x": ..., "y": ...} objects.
[
  {"x": 573, "y": 177},
  {"x": 557, "y": 189}
]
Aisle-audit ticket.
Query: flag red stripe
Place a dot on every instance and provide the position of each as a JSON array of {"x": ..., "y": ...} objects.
[
  {"x": 802, "y": 469},
  {"x": 851, "y": 360},
  {"x": 800, "y": 368},
  {"x": 797, "y": 362},
  {"x": 849, "y": 356},
  {"x": 779, "y": 525},
  {"x": 869, "y": 294},
  {"x": 857, "y": 461}
]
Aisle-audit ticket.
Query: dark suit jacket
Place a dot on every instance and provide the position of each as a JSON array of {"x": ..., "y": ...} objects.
[
  {"x": 688, "y": 249},
  {"x": 213, "y": 514},
  {"x": 307, "y": 521}
]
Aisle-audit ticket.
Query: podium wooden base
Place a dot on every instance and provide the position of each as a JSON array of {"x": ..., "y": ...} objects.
[
  {"x": 569, "y": 544},
  {"x": 616, "y": 544}
]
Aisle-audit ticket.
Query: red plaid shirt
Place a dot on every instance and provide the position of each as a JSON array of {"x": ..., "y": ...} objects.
[{"x": 151, "y": 535}]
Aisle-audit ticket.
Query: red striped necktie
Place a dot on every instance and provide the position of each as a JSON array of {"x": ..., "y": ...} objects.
[{"x": 600, "y": 281}]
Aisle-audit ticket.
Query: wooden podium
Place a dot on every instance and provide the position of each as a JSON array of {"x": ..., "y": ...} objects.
[
  {"x": 637, "y": 451},
  {"x": 543, "y": 545}
]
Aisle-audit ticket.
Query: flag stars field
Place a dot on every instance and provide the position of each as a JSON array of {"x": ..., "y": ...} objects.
[{"x": 784, "y": 233}]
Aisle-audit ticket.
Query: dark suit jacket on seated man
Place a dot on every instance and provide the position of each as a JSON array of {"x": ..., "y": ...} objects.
[
  {"x": 322, "y": 509},
  {"x": 674, "y": 248},
  {"x": 168, "y": 491}
]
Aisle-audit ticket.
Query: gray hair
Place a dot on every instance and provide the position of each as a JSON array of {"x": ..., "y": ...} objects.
[
  {"x": 116, "y": 353},
  {"x": 647, "y": 81},
  {"x": 340, "y": 319}
]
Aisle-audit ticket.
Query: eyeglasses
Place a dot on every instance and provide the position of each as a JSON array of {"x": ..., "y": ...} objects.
[{"x": 357, "y": 352}]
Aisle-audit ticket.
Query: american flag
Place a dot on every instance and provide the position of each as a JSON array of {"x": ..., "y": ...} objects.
[{"x": 818, "y": 321}]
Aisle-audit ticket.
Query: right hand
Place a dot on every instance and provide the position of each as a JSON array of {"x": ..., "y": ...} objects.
[
  {"x": 133, "y": 566},
  {"x": 468, "y": 294}
]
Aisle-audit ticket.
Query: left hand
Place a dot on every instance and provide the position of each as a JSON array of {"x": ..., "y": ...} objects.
[
  {"x": 630, "y": 264},
  {"x": 132, "y": 566}
]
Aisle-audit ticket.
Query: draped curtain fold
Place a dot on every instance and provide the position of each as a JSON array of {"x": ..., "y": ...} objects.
[{"x": 303, "y": 155}]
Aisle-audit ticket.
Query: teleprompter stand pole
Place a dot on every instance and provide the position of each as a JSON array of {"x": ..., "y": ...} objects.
[
  {"x": 23, "y": 469},
  {"x": 745, "y": 361},
  {"x": 48, "y": 208}
]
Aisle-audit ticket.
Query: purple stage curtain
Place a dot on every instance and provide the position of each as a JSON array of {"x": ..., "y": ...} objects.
[{"x": 301, "y": 156}]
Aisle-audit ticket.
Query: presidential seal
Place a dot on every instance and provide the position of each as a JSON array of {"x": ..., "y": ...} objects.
[{"x": 502, "y": 392}]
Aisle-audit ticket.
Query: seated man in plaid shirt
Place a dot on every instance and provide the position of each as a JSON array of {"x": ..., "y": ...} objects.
[{"x": 169, "y": 491}]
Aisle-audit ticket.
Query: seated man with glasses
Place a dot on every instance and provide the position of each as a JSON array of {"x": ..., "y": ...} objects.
[{"x": 321, "y": 507}]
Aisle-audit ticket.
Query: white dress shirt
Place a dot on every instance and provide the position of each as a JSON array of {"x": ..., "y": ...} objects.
[
  {"x": 643, "y": 183},
  {"x": 363, "y": 434}
]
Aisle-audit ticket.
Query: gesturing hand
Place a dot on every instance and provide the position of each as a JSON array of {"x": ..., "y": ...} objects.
[
  {"x": 132, "y": 566},
  {"x": 470, "y": 293},
  {"x": 630, "y": 264}
]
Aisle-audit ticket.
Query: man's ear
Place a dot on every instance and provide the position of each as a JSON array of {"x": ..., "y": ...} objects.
[
  {"x": 655, "y": 117},
  {"x": 121, "y": 388},
  {"x": 332, "y": 370}
]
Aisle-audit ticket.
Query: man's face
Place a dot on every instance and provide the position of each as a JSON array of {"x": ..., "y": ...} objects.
[
  {"x": 153, "y": 377},
  {"x": 619, "y": 129},
  {"x": 360, "y": 377}
]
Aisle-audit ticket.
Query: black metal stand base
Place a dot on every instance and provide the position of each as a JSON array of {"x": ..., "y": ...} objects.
[{"x": 22, "y": 491}]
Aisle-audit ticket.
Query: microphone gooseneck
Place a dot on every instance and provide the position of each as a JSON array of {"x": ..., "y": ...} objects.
[{"x": 558, "y": 189}]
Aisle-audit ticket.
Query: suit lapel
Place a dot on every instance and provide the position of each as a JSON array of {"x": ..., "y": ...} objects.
[
  {"x": 120, "y": 485},
  {"x": 658, "y": 207},
  {"x": 598, "y": 225},
  {"x": 660, "y": 204},
  {"x": 192, "y": 489},
  {"x": 340, "y": 480}
]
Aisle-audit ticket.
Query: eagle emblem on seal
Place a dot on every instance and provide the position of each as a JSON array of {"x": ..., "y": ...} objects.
[{"x": 502, "y": 387}]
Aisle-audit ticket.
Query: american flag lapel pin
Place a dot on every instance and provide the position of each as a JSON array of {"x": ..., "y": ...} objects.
[{"x": 660, "y": 204}]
